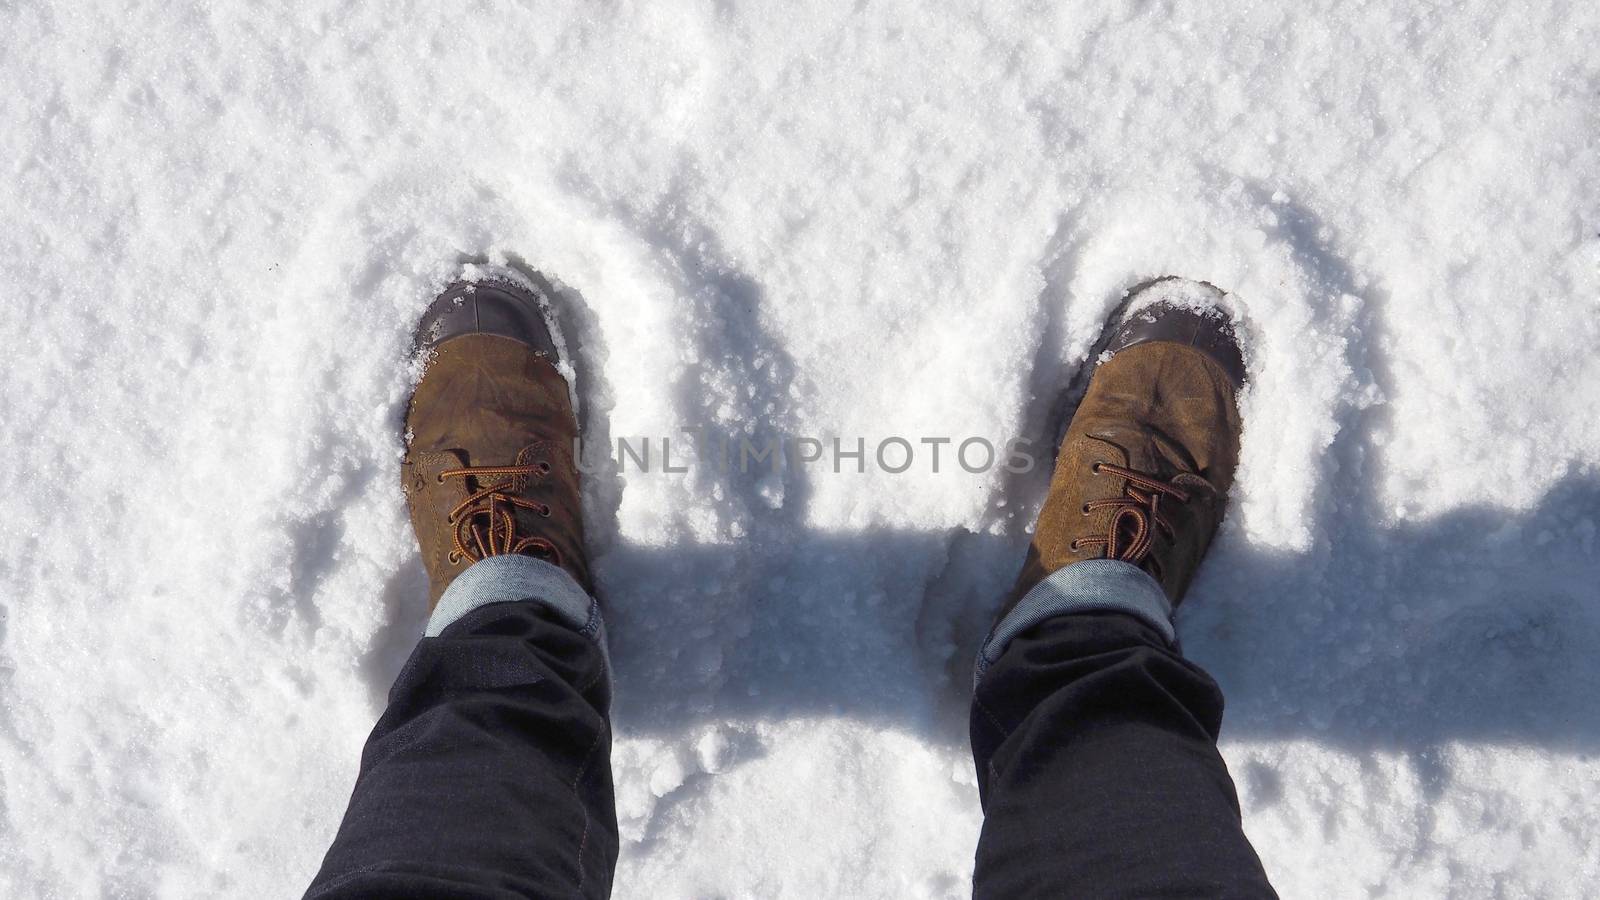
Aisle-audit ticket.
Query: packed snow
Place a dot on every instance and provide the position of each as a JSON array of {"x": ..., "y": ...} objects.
[{"x": 780, "y": 221}]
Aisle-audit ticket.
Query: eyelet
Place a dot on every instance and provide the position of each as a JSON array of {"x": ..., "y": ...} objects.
[
  {"x": 1086, "y": 509},
  {"x": 544, "y": 467},
  {"x": 1095, "y": 468},
  {"x": 439, "y": 478},
  {"x": 544, "y": 511},
  {"x": 1073, "y": 545}
]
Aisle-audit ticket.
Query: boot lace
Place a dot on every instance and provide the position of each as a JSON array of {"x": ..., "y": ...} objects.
[
  {"x": 486, "y": 522},
  {"x": 1138, "y": 516}
]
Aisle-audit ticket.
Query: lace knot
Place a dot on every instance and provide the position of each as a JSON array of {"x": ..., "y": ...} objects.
[
  {"x": 1137, "y": 516},
  {"x": 486, "y": 521}
]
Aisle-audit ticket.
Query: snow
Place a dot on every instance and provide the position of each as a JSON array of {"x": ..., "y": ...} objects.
[{"x": 798, "y": 220}]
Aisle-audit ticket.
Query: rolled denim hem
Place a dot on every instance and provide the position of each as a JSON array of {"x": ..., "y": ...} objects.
[
  {"x": 512, "y": 578},
  {"x": 1096, "y": 585}
]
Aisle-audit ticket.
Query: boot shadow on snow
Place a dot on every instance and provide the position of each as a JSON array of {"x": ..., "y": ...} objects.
[
  {"x": 1451, "y": 651},
  {"x": 1459, "y": 628}
]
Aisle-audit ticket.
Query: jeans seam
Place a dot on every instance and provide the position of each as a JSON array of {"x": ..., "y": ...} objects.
[
  {"x": 989, "y": 715},
  {"x": 588, "y": 758},
  {"x": 592, "y": 626},
  {"x": 592, "y": 680}
]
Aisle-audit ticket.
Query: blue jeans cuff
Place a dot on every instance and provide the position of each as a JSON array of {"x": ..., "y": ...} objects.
[
  {"x": 1096, "y": 585},
  {"x": 512, "y": 578}
]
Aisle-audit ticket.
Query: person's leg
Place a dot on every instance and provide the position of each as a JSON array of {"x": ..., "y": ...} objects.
[
  {"x": 1094, "y": 740},
  {"x": 489, "y": 774},
  {"x": 1095, "y": 744}
]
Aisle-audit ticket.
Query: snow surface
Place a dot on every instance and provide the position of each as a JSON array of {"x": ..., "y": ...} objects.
[{"x": 801, "y": 219}]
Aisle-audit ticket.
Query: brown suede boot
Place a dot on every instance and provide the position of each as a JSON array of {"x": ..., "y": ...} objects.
[
  {"x": 1144, "y": 469},
  {"x": 490, "y": 434}
]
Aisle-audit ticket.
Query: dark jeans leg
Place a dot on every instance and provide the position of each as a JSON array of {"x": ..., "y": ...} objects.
[
  {"x": 1095, "y": 743},
  {"x": 489, "y": 775}
]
